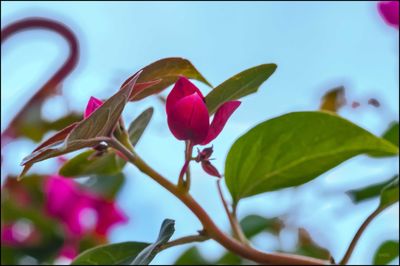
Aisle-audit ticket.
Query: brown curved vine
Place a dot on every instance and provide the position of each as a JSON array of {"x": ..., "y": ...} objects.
[{"x": 56, "y": 79}]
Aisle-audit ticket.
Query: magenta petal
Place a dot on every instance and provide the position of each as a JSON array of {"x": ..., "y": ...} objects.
[
  {"x": 210, "y": 169},
  {"x": 220, "y": 118},
  {"x": 82, "y": 217},
  {"x": 183, "y": 87},
  {"x": 92, "y": 106},
  {"x": 60, "y": 194},
  {"x": 108, "y": 216},
  {"x": 68, "y": 251},
  {"x": 389, "y": 11},
  {"x": 189, "y": 119}
]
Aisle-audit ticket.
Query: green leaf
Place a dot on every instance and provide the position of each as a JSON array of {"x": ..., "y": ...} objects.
[
  {"x": 387, "y": 252},
  {"x": 293, "y": 149},
  {"x": 390, "y": 194},
  {"x": 166, "y": 71},
  {"x": 106, "y": 185},
  {"x": 113, "y": 254},
  {"x": 138, "y": 126},
  {"x": 392, "y": 133},
  {"x": 238, "y": 86},
  {"x": 372, "y": 191},
  {"x": 147, "y": 254},
  {"x": 192, "y": 256},
  {"x": 230, "y": 258},
  {"x": 82, "y": 134},
  {"x": 86, "y": 164},
  {"x": 254, "y": 224}
]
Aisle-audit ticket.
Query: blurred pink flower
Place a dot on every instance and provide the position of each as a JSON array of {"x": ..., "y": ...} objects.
[
  {"x": 19, "y": 233},
  {"x": 80, "y": 210},
  {"x": 389, "y": 10}
]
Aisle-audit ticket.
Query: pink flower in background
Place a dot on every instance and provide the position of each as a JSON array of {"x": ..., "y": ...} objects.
[
  {"x": 188, "y": 117},
  {"x": 80, "y": 210},
  {"x": 92, "y": 106},
  {"x": 389, "y": 10}
]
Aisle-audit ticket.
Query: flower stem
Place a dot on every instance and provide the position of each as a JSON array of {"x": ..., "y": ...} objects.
[
  {"x": 209, "y": 226},
  {"x": 185, "y": 183},
  {"x": 357, "y": 236},
  {"x": 237, "y": 230}
]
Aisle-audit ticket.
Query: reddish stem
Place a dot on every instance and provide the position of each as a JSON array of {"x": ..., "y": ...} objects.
[{"x": 51, "y": 85}]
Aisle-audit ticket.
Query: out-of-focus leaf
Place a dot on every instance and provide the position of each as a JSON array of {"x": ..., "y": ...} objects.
[
  {"x": 107, "y": 186},
  {"x": 146, "y": 255},
  {"x": 229, "y": 258},
  {"x": 293, "y": 149},
  {"x": 307, "y": 247},
  {"x": 34, "y": 127},
  {"x": 86, "y": 164},
  {"x": 372, "y": 191},
  {"x": 138, "y": 125},
  {"x": 10, "y": 255},
  {"x": 77, "y": 136},
  {"x": 192, "y": 256},
  {"x": 254, "y": 224},
  {"x": 333, "y": 100},
  {"x": 387, "y": 252},
  {"x": 238, "y": 86},
  {"x": 166, "y": 71},
  {"x": 390, "y": 194},
  {"x": 392, "y": 133},
  {"x": 113, "y": 254}
]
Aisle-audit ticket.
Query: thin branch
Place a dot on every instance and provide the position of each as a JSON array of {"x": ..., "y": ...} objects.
[
  {"x": 237, "y": 230},
  {"x": 184, "y": 240},
  {"x": 208, "y": 224},
  {"x": 185, "y": 182},
  {"x": 357, "y": 236}
]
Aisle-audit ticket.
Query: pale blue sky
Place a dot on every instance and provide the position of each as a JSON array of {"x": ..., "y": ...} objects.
[{"x": 316, "y": 46}]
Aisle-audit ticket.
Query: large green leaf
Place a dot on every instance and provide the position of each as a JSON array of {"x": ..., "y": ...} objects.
[
  {"x": 80, "y": 135},
  {"x": 147, "y": 254},
  {"x": 238, "y": 86},
  {"x": 166, "y": 71},
  {"x": 392, "y": 133},
  {"x": 293, "y": 149},
  {"x": 138, "y": 125},
  {"x": 390, "y": 194},
  {"x": 113, "y": 254},
  {"x": 372, "y": 191},
  {"x": 387, "y": 252}
]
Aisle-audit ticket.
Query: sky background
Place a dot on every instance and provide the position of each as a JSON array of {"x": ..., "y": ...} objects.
[{"x": 317, "y": 46}]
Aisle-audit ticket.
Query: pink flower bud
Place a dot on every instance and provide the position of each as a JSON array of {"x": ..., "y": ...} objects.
[
  {"x": 188, "y": 117},
  {"x": 92, "y": 105},
  {"x": 389, "y": 10},
  {"x": 205, "y": 154}
]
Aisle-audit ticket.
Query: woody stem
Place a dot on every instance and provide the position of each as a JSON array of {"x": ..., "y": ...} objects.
[{"x": 210, "y": 228}]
